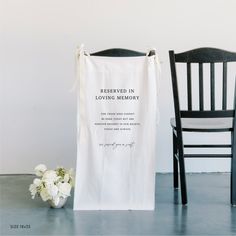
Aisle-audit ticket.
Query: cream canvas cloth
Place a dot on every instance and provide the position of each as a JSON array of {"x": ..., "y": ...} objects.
[{"x": 117, "y": 118}]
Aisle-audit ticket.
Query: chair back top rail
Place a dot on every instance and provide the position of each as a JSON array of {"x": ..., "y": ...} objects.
[
  {"x": 205, "y": 55},
  {"x": 120, "y": 52}
]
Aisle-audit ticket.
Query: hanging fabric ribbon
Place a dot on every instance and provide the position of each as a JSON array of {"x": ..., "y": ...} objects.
[
  {"x": 79, "y": 59},
  {"x": 158, "y": 75}
]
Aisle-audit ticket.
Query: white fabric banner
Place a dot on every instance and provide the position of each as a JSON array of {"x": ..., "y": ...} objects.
[{"x": 117, "y": 118}]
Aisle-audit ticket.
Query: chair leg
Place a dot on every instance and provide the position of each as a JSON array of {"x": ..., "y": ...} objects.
[
  {"x": 233, "y": 170},
  {"x": 175, "y": 163},
  {"x": 182, "y": 176}
]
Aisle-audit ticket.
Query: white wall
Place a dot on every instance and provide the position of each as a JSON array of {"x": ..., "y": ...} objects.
[{"x": 37, "y": 44}]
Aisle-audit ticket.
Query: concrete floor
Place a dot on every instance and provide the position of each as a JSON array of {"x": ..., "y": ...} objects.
[{"x": 208, "y": 213}]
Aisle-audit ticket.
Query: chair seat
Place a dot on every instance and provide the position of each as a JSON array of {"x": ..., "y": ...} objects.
[{"x": 205, "y": 124}]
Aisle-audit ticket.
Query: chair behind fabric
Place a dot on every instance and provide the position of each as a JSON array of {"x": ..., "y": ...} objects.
[{"x": 120, "y": 52}]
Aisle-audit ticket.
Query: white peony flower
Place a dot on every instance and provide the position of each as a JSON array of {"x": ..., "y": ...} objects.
[
  {"x": 64, "y": 189},
  {"x": 37, "y": 182},
  {"x": 66, "y": 178},
  {"x": 72, "y": 176},
  {"x": 33, "y": 190},
  {"x": 44, "y": 195},
  {"x": 40, "y": 169},
  {"x": 52, "y": 190},
  {"x": 50, "y": 176}
]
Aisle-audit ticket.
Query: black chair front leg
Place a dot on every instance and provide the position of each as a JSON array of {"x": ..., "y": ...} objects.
[
  {"x": 182, "y": 173},
  {"x": 233, "y": 169},
  {"x": 175, "y": 162}
]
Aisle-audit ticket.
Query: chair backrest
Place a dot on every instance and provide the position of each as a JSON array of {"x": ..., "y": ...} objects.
[
  {"x": 201, "y": 56},
  {"x": 120, "y": 52}
]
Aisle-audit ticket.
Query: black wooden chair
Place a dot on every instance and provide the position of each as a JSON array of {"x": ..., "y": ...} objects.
[{"x": 194, "y": 120}]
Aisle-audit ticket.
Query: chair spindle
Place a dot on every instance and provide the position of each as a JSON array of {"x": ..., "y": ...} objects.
[
  {"x": 189, "y": 86},
  {"x": 212, "y": 74},
  {"x": 201, "y": 98},
  {"x": 224, "y": 87}
]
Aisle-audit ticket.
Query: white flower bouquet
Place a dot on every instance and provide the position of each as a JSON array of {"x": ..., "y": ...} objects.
[{"x": 54, "y": 185}]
